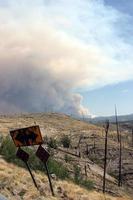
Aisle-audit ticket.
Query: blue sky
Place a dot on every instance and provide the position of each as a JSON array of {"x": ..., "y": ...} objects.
[
  {"x": 66, "y": 56},
  {"x": 122, "y": 5},
  {"x": 101, "y": 101}
]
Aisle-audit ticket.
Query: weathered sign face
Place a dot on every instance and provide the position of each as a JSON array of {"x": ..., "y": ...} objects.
[
  {"x": 21, "y": 154},
  {"x": 27, "y": 136},
  {"x": 42, "y": 154}
]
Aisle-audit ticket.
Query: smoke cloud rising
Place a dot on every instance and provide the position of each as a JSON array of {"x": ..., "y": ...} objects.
[{"x": 52, "y": 50}]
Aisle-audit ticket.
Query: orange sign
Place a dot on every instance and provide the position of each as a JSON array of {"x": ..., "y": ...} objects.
[{"x": 27, "y": 136}]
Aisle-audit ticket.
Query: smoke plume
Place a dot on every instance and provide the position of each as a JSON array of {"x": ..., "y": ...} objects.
[{"x": 51, "y": 50}]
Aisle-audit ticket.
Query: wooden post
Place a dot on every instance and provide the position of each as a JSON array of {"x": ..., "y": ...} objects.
[{"x": 105, "y": 156}]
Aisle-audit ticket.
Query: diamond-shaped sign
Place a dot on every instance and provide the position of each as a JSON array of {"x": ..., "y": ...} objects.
[
  {"x": 42, "y": 154},
  {"x": 21, "y": 154}
]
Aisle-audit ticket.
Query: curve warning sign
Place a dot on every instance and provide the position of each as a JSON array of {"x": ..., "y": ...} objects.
[{"x": 27, "y": 136}]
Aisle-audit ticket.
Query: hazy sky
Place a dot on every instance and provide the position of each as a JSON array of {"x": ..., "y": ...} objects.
[
  {"x": 101, "y": 101},
  {"x": 72, "y": 56}
]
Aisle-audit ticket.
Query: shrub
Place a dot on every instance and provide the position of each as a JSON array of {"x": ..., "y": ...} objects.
[
  {"x": 58, "y": 169},
  {"x": 77, "y": 174},
  {"x": 88, "y": 184},
  {"x": 45, "y": 139},
  {"x": 8, "y": 150},
  {"x": 67, "y": 158},
  {"x": 52, "y": 143},
  {"x": 66, "y": 141}
]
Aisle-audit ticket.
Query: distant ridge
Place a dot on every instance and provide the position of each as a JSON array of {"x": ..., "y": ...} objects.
[{"x": 121, "y": 118}]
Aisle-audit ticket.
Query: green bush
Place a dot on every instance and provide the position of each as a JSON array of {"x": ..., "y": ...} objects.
[
  {"x": 8, "y": 150},
  {"x": 88, "y": 184},
  {"x": 58, "y": 169},
  {"x": 66, "y": 141},
  {"x": 52, "y": 143},
  {"x": 45, "y": 139},
  {"x": 77, "y": 174},
  {"x": 67, "y": 158}
]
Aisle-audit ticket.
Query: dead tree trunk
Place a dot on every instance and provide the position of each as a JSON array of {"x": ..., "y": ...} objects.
[
  {"x": 85, "y": 171},
  {"x": 94, "y": 145},
  {"x": 87, "y": 149},
  {"x": 105, "y": 156},
  {"x": 78, "y": 146},
  {"x": 120, "y": 163},
  {"x": 132, "y": 137},
  {"x": 117, "y": 127}
]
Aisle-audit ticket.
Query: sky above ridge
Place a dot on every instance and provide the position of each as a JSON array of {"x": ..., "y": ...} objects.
[{"x": 72, "y": 56}]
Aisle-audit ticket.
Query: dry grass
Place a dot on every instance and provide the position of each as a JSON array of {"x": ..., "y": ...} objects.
[
  {"x": 50, "y": 124},
  {"x": 16, "y": 184}
]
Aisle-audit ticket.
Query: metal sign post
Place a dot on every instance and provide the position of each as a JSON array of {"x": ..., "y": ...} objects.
[
  {"x": 43, "y": 155},
  {"x": 50, "y": 183},
  {"x": 24, "y": 156},
  {"x": 34, "y": 181}
]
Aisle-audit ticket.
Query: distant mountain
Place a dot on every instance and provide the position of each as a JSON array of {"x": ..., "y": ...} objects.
[{"x": 121, "y": 118}]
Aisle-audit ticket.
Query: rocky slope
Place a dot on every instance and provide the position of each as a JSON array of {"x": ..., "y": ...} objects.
[{"x": 86, "y": 151}]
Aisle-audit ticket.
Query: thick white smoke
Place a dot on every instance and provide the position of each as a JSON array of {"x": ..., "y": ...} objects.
[{"x": 50, "y": 49}]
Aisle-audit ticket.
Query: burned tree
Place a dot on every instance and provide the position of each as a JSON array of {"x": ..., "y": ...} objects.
[
  {"x": 78, "y": 146},
  {"x": 117, "y": 127},
  {"x": 105, "y": 155},
  {"x": 120, "y": 163},
  {"x": 132, "y": 137},
  {"x": 120, "y": 150},
  {"x": 94, "y": 143}
]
